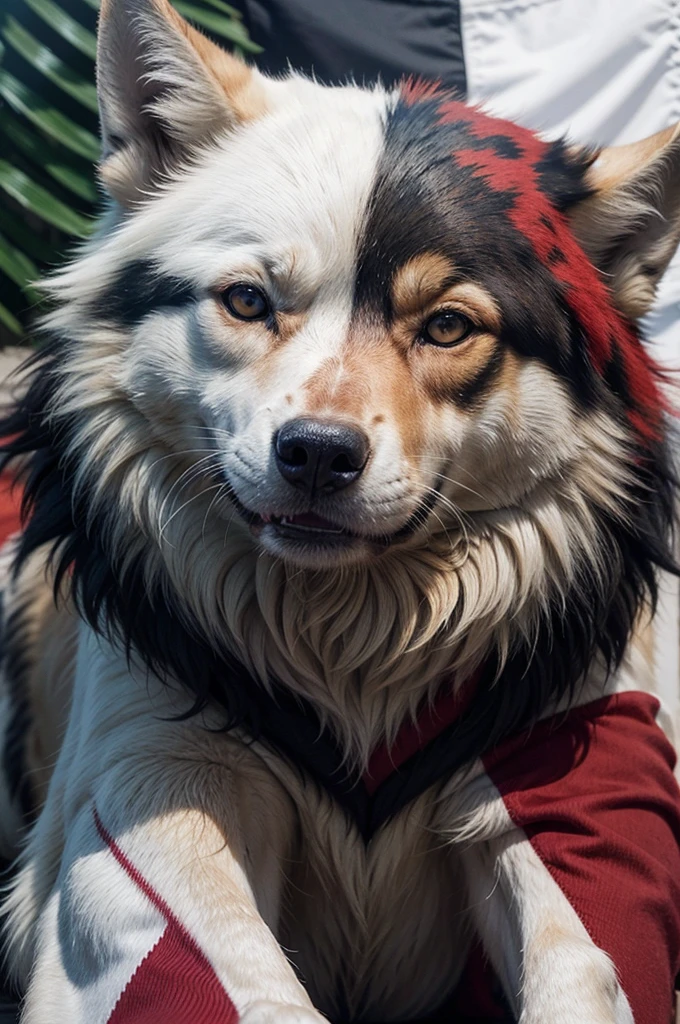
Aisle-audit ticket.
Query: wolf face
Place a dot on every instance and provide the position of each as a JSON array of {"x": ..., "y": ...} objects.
[{"x": 347, "y": 351}]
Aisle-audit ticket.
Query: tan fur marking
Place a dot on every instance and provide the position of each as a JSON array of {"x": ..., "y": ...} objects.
[
  {"x": 419, "y": 289},
  {"x": 445, "y": 373},
  {"x": 508, "y": 381},
  {"x": 341, "y": 386},
  {"x": 394, "y": 378},
  {"x": 419, "y": 282},
  {"x": 615, "y": 164},
  {"x": 242, "y": 88},
  {"x": 370, "y": 383}
]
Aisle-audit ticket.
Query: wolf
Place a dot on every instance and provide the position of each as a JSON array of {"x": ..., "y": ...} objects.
[{"x": 347, "y": 480}]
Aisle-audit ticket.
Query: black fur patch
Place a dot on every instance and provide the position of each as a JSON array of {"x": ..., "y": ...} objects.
[
  {"x": 138, "y": 290},
  {"x": 477, "y": 387},
  {"x": 15, "y": 653}
]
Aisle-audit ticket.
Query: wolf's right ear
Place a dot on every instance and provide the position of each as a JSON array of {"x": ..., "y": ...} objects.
[
  {"x": 164, "y": 89},
  {"x": 630, "y": 223}
]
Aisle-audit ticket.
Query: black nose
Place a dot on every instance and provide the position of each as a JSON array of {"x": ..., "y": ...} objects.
[{"x": 317, "y": 456}]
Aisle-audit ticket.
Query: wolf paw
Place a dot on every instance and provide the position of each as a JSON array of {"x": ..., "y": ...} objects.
[{"x": 281, "y": 1013}]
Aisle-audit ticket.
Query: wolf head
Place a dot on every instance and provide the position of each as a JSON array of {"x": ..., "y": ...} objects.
[{"x": 350, "y": 384}]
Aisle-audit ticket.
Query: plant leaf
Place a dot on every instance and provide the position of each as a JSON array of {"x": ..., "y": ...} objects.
[
  {"x": 40, "y": 57},
  {"x": 226, "y": 27},
  {"x": 36, "y": 198},
  {"x": 24, "y": 101},
  {"x": 48, "y": 157},
  {"x": 18, "y": 267},
  {"x": 18, "y": 231},
  {"x": 66, "y": 26},
  {"x": 10, "y": 321},
  {"x": 219, "y": 5}
]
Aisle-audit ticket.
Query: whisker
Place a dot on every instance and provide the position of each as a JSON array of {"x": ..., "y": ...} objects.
[
  {"x": 495, "y": 493},
  {"x": 178, "y": 487},
  {"x": 200, "y": 494},
  {"x": 458, "y": 515},
  {"x": 179, "y": 454},
  {"x": 211, "y": 431},
  {"x": 195, "y": 468},
  {"x": 213, "y": 502},
  {"x": 229, "y": 522},
  {"x": 450, "y": 479}
]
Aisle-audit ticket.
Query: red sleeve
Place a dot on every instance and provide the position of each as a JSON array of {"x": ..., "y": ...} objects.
[{"x": 596, "y": 795}]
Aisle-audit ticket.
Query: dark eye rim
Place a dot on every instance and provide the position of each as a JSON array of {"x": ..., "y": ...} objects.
[
  {"x": 225, "y": 299},
  {"x": 427, "y": 339}
]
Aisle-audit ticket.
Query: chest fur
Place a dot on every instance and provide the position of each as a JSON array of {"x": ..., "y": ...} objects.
[{"x": 377, "y": 929}]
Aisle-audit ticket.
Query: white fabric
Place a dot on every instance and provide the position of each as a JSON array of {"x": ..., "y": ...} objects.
[
  {"x": 601, "y": 72},
  {"x": 96, "y": 930}
]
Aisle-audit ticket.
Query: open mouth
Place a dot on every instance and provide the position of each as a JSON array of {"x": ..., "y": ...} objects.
[
  {"x": 306, "y": 523},
  {"x": 305, "y": 527},
  {"x": 311, "y": 530},
  {"x": 316, "y": 531}
]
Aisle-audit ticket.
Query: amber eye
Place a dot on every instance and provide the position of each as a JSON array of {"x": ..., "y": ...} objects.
[
  {"x": 447, "y": 329},
  {"x": 245, "y": 302}
]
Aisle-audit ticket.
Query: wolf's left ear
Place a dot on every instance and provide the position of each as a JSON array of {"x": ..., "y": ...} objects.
[
  {"x": 630, "y": 225},
  {"x": 164, "y": 89}
]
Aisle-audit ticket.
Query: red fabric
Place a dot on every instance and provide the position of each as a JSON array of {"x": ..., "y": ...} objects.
[
  {"x": 414, "y": 736},
  {"x": 10, "y": 507},
  {"x": 596, "y": 795},
  {"x": 175, "y": 983},
  {"x": 479, "y": 993}
]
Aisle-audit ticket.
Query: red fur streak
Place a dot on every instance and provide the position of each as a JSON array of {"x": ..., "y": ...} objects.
[{"x": 534, "y": 216}]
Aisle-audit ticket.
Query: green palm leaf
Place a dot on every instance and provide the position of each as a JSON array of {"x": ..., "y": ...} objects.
[
  {"x": 69, "y": 28},
  {"x": 33, "y": 51},
  {"x": 225, "y": 27},
  {"x": 47, "y": 118},
  {"x": 48, "y": 134}
]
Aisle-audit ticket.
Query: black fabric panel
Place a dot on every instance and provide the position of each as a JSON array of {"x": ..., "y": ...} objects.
[{"x": 364, "y": 39}]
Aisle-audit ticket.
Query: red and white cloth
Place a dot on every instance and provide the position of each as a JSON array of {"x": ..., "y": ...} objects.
[{"x": 594, "y": 793}]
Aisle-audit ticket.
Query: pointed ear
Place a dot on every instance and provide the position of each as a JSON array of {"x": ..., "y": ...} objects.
[
  {"x": 164, "y": 89},
  {"x": 630, "y": 225}
]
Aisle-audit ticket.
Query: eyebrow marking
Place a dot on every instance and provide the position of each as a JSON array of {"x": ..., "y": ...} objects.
[
  {"x": 420, "y": 281},
  {"x": 430, "y": 279}
]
